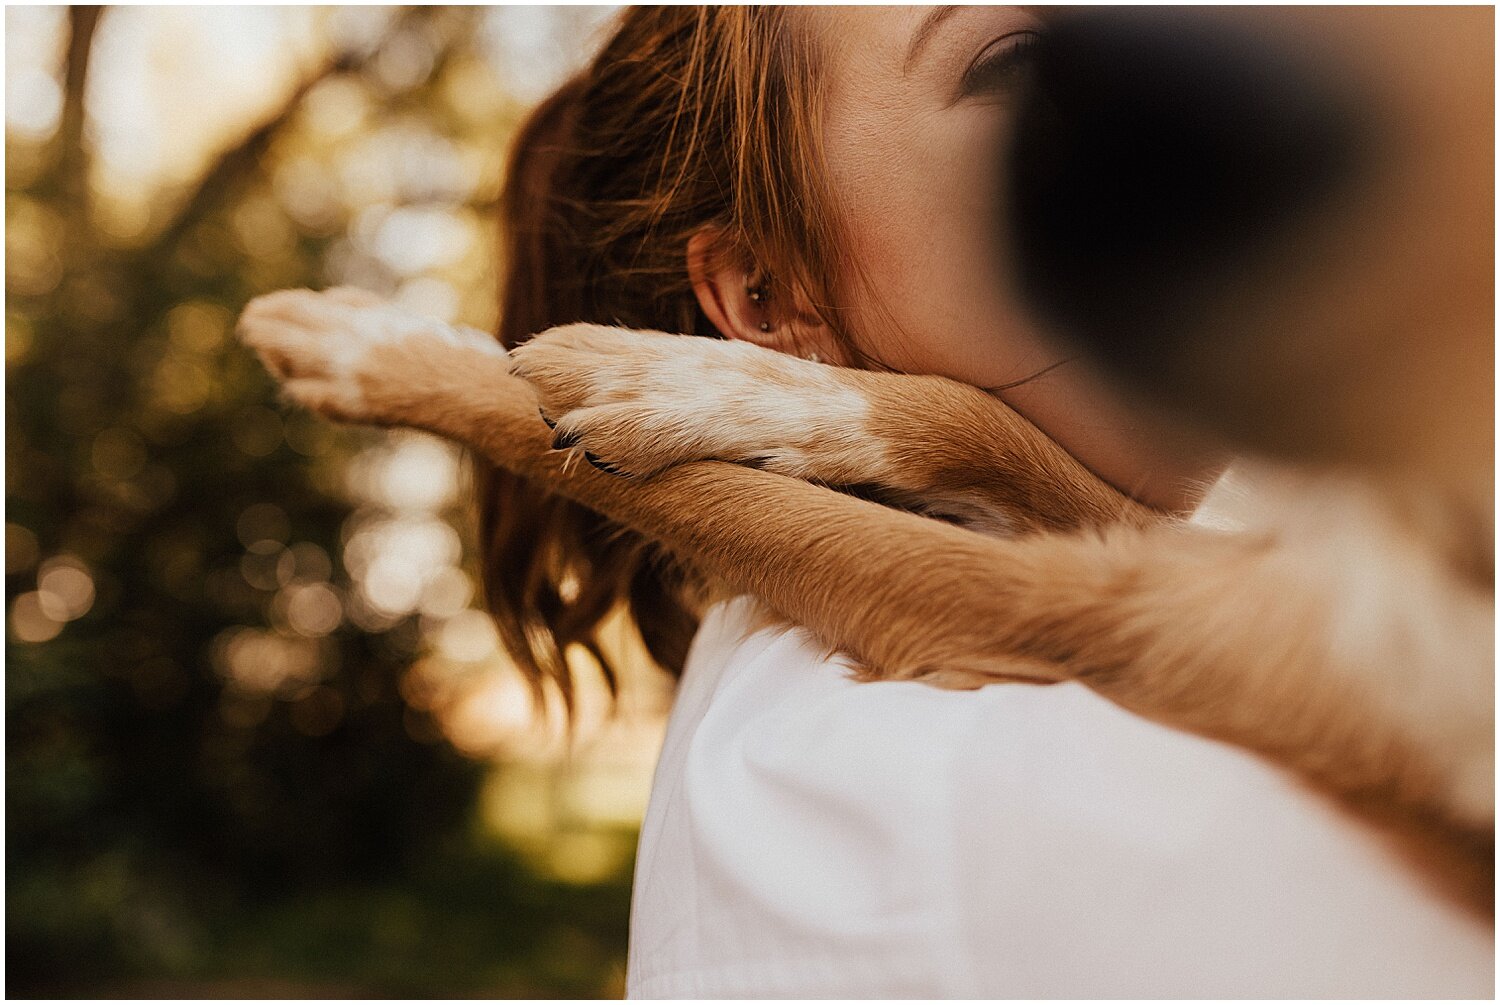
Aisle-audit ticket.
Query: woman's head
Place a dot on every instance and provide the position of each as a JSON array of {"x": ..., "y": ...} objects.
[
  {"x": 688, "y": 133},
  {"x": 814, "y": 180}
]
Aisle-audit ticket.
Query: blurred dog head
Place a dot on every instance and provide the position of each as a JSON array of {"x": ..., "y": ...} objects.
[{"x": 1276, "y": 223}]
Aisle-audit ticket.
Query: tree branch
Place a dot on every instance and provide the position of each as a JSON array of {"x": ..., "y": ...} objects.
[
  {"x": 237, "y": 162},
  {"x": 243, "y": 158},
  {"x": 73, "y": 160}
]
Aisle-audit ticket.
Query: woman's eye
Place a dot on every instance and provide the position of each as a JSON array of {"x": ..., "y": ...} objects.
[{"x": 1000, "y": 66}]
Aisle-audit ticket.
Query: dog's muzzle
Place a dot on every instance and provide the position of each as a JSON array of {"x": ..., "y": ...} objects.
[{"x": 1157, "y": 150}]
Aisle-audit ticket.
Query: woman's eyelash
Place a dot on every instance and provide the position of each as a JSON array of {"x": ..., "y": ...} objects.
[{"x": 999, "y": 67}]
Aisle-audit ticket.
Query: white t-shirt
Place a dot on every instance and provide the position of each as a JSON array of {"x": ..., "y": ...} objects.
[{"x": 808, "y": 836}]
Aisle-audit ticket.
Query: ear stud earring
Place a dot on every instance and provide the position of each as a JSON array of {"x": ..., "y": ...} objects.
[
  {"x": 756, "y": 291},
  {"x": 758, "y": 295}
]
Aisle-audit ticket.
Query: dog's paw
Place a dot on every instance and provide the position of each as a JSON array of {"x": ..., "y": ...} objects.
[
  {"x": 342, "y": 352},
  {"x": 638, "y": 402}
]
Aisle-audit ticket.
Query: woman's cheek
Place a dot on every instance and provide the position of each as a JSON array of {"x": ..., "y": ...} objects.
[
  {"x": 961, "y": 306},
  {"x": 959, "y": 318}
]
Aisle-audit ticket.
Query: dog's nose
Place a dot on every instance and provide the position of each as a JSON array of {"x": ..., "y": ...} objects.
[{"x": 1154, "y": 149}]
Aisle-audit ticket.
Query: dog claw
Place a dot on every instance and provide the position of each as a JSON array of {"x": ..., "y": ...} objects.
[{"x": 602, "y": 465}]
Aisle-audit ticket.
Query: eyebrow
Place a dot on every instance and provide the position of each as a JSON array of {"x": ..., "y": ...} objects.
[{"x": 924, "y": 33}]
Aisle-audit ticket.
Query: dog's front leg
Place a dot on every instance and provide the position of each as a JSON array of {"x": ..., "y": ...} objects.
[
  {"x": 642, "y": 401},
  {"x": 1149, "y": 618}
]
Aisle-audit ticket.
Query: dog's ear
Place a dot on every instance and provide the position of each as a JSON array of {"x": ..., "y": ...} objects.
[{"x": 744, "y": 307}]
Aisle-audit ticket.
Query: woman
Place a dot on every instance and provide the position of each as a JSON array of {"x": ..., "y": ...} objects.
[
  {"x": 816, "y": 181},
  {"x": 689, "y": 181}
]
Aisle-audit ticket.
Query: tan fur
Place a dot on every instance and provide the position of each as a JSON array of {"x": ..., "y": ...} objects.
[{"x": 1337, "y": 637}]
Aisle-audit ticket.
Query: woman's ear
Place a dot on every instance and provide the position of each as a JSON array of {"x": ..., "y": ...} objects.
[{"x": 740, "y": 309}]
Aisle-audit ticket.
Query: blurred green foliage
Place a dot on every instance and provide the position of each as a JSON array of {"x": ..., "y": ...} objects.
[{"x": 167, "y": 829}]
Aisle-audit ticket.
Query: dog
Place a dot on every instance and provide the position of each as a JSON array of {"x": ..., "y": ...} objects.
[{"x": 1346, "y": 632}]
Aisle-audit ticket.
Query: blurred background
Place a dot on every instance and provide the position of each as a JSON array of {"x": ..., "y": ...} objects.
[{"x": 260, "y": 739}]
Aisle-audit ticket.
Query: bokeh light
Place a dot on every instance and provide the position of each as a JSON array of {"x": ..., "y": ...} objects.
[{"x": 249, "y": 662}]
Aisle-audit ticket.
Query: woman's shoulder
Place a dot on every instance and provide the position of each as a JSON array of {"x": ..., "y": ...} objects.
[
  {"x": 765, "y": 699},
  {"x": 767, "y": 682}
]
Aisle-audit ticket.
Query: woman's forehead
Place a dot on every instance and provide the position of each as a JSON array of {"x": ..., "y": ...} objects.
[{"x": 873, "y": 36}]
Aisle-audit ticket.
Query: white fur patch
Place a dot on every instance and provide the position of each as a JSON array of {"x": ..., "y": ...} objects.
[
  {"x": 1403, "y": 631},
  {"x": 644, "y": 401},
  {"x": 320, "y": 343}
]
